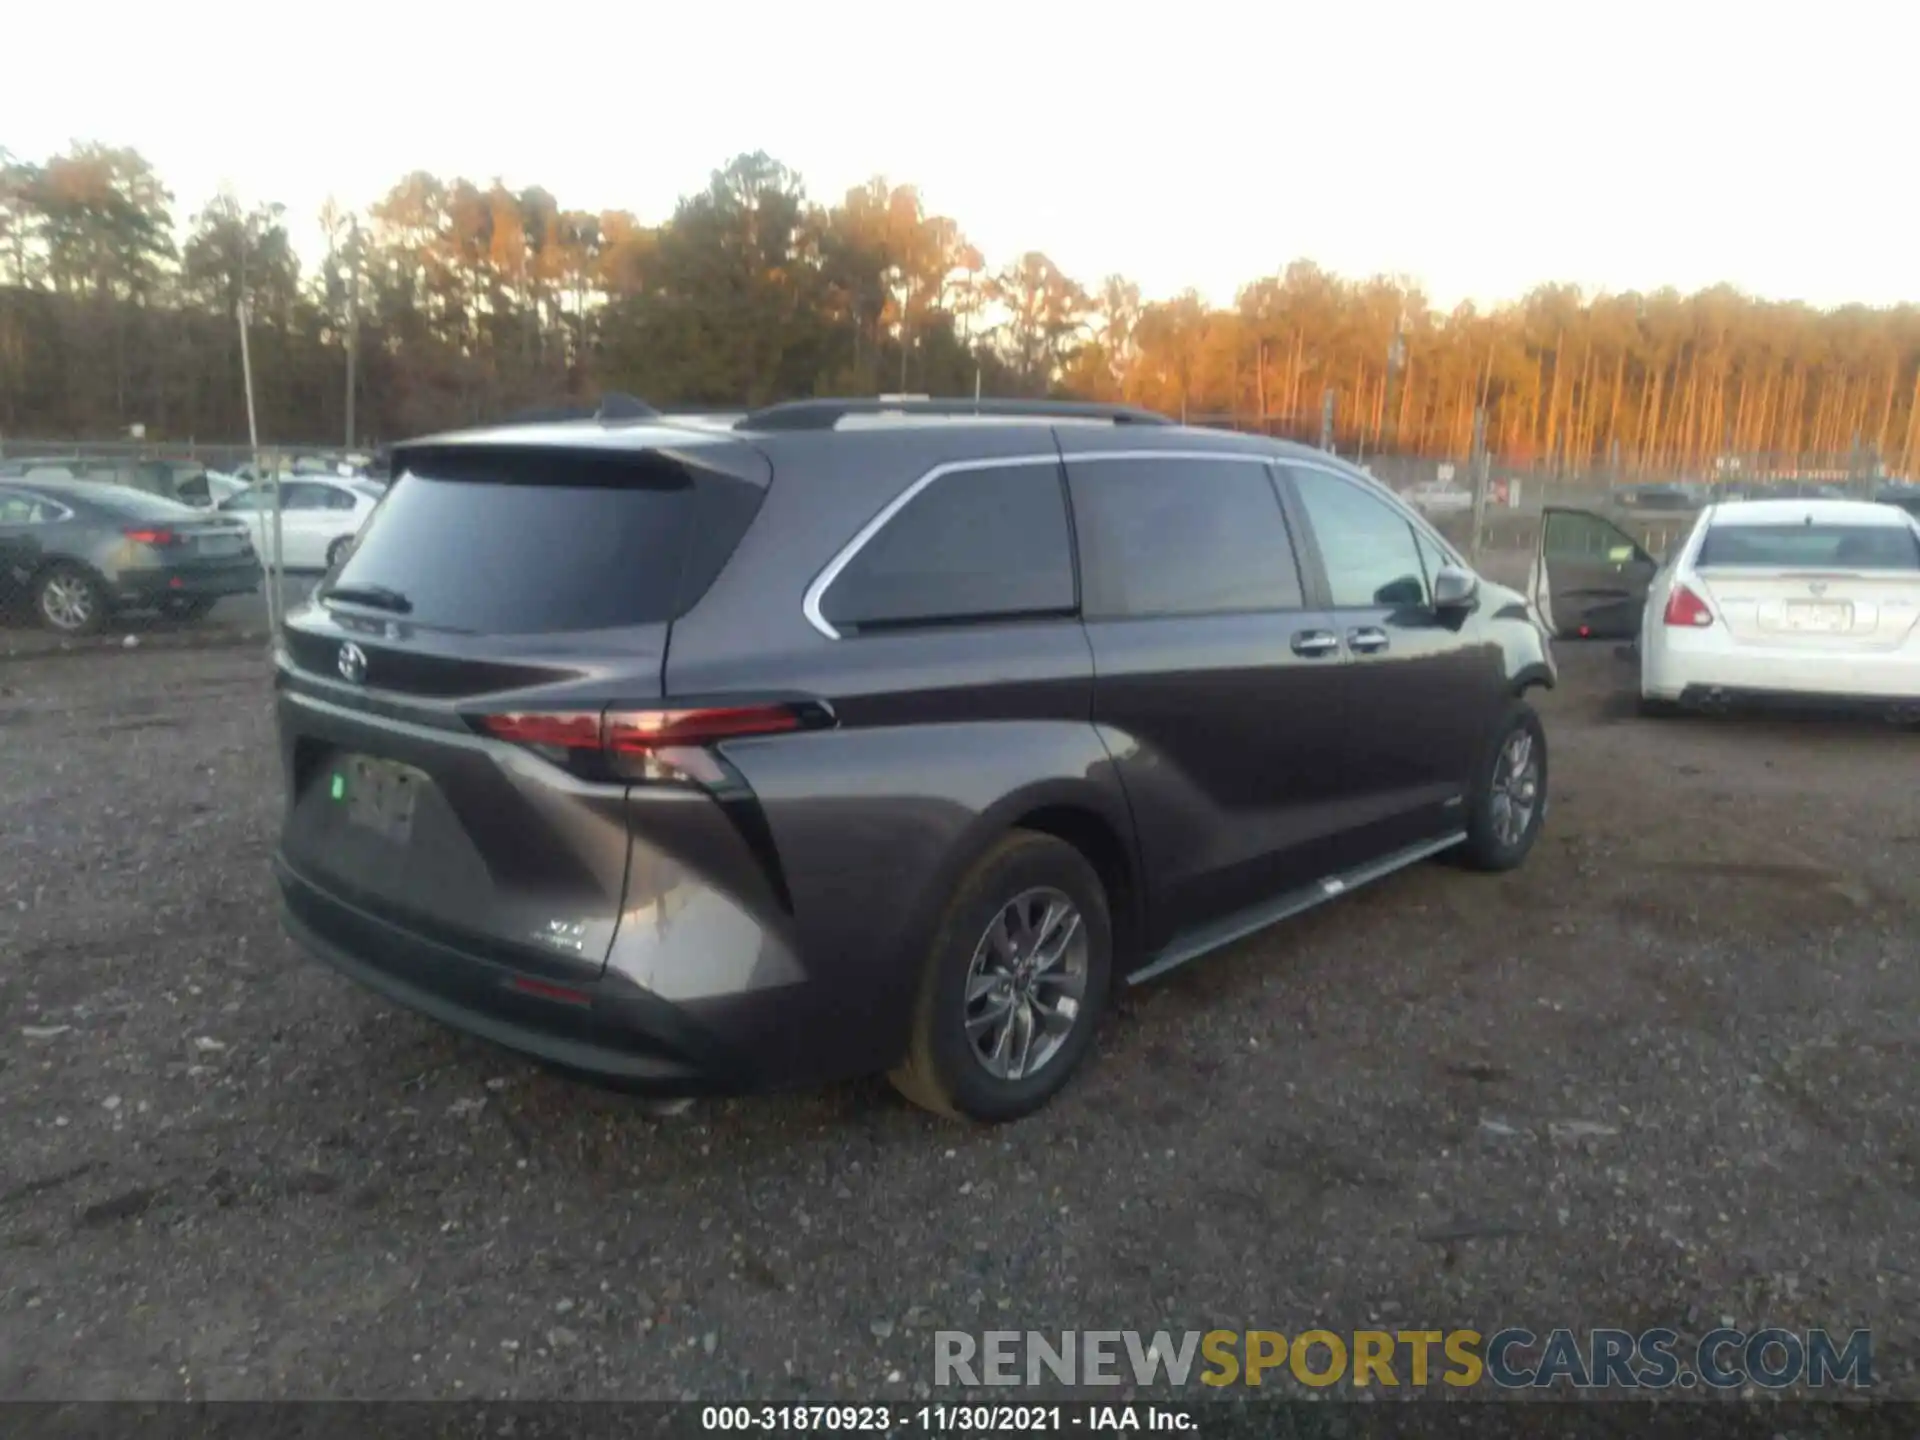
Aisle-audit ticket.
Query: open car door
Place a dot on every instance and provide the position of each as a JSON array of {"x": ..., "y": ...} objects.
[{"x": 1589, "y": 578}]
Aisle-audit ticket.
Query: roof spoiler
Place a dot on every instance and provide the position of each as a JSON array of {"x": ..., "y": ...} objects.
[{"x": 826, "y": 414}]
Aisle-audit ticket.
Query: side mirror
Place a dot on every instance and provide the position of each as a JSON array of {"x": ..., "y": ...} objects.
[{"x": 1455, "y": 589}]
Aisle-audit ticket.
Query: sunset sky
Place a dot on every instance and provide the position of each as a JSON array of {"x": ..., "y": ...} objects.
[{"x": 1480, "y": 148}]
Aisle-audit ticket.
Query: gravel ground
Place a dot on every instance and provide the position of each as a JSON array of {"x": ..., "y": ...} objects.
[
  {"x": 239, "y": 619},
  {"x": 1665, "y": 1074}
]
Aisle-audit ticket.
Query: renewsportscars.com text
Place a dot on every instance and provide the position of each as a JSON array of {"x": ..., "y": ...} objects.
[{"x": 1510, "y": 1359}]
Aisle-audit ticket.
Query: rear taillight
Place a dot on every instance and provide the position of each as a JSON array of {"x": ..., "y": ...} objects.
[
  {"x": 634, "y": 732},
  {"x": 1687, "y": 609},
  {"x": 566, "y": 732},
  {"x": 151, "y": 537},
  {"x": 654, "y": 744}
]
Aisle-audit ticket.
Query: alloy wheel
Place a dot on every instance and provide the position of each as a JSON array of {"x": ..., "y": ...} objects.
[
  {"x": 1516, "y": 789},
  {"x": 1026, "y": 984},
  {"x": 67, "y": 602}
]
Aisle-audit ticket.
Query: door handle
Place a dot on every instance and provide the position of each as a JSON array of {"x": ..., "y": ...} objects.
[
  {"x": 1315, "y": 642},
  {"x": 1369, "y": 640}
]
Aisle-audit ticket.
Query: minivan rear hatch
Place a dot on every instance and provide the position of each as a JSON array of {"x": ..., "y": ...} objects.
[{"x": 496, "y": 581}]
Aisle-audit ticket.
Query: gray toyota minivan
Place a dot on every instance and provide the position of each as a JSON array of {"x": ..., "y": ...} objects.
[{"x": 711, "y": 753}]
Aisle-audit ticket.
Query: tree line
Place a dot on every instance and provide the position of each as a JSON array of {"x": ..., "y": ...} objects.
[{"x": 465, "y": 302}]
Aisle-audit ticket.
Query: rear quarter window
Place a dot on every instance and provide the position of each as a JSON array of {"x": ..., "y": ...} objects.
[{"x": 976, "y": 544}]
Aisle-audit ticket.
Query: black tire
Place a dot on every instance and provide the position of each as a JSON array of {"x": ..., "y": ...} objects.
[
  {"x": 337, "y": 551},
  {"x": 1486, "y": 848},
  {"x": 193, "y": 609},
  {"x": 70, "y": 601},
  {"x": 943, "y": 1071}
]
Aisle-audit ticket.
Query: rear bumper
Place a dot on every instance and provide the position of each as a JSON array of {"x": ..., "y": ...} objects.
[
  {"x": 1713, "y": 697},
  {"x": 1669, "y": 670},
  {"x": 614, "y": 1033},
  {"x": 150, "y": 587}
]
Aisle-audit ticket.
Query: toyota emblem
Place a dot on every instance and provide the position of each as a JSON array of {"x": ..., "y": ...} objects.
[{"x": 353, "y": 664}]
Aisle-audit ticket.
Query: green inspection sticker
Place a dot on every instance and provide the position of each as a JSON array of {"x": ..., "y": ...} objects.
[{"x": 339, "y": 787}]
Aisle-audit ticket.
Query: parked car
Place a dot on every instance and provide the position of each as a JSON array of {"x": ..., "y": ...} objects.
[
  {"x": 1763, "y": 600},
  {"x": 186, "y": 481},
  {"x": 865, "y": 737},
  {"x": 222, "y": 487},
  {"x": 1657, "y": 497},
  {"x": 319, "y": 516},
  {"x": 80, "y": 552}
]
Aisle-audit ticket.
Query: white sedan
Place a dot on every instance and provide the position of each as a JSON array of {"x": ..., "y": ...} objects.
[
  {"x": 319, "y": 516},
  {"x": 1788, "y": 598},
  {"x": 1810, "y": 598}
]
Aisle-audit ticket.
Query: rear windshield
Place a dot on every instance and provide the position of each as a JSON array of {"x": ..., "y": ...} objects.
[
  {"x": 1811, "y": 547},
  {"x": 532, "y": 544}
]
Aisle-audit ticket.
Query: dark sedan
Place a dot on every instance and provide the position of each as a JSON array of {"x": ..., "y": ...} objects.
[{"x": 79, "y": 552}]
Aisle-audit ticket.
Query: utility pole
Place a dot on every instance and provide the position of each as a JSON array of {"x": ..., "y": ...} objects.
[
  {"x": 1326, "y": 420},
  {"x": 253, "y": 440},
  {"x": 353, "y": 322},
  {"x": 1479, "y": 464}
]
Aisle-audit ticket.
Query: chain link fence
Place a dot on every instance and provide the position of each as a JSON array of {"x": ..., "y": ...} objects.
[{"x": 95, "y": 544}]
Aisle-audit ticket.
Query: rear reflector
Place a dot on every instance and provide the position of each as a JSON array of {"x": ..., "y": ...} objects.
[
  {"x": 639, "y": 732},
  {"x": 565, "y": 995},
  {"x": 1687, "y": 609}
]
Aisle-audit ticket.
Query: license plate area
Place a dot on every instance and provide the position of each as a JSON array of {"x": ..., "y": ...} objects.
[
  {"x": 379, "y": 796},
  {"x": 1820, "y": 617},
  {"x": 220, "y": 546}
]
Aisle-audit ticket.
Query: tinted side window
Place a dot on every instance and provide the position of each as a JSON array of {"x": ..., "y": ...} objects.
[
  {"x": 973, "y": 545},
  {"x": 1181, "y": 537},
  {"x": 1367, "y": 545}
]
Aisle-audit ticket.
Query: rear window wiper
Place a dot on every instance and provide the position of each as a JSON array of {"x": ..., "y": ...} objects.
[{"x": 378, "y": 597}]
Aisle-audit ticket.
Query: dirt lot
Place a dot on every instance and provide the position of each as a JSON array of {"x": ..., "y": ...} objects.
[{"x": 227, "y": 1173}]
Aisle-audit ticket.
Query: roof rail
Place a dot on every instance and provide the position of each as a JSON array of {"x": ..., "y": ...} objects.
[
  {"x": 611, "y": 406},
  {"x": 826, "y": 414}
]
